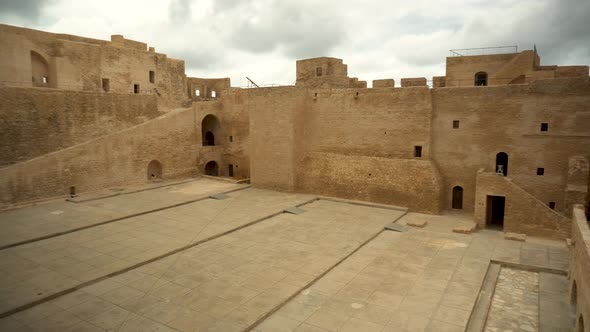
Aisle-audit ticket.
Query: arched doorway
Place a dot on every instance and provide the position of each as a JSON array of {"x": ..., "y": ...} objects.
[
  {"x": 210, "y": 128},
  {"x": 154, "y": 170},
  {"x": 209, "y": 139},
  {"x": 502, "y": 163},
  {"x": 481, "y": 79},
  {"x": 457, "y": 197},
  {"x": 39, "y": 70},
  {"x": 211, "y": 168}
]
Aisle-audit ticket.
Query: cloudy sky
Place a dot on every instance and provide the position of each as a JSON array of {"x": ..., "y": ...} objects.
[{"x": 262, "y": 39}]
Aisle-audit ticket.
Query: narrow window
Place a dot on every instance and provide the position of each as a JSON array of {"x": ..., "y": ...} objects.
[
  {"x": 481, "y": 79},
  {"x": 231, "y": 139},
  {"x": 552, "y": 205},
  {"x": 544, "y": 126},
  {"x": 318, "y": 71},
  {"x": 152, "y": 76},
  {"x": 135, "y": 88},
  {"x": 213, "y": 94},
  {"x": 455, "y": 124},
  {"x": 417, "y": 151},
  {"x": 540, "y": 171},
  {"x": 197, "y": 93},
  {"x": 45, "y": 80},
  {"x": 106, "y": 85}
]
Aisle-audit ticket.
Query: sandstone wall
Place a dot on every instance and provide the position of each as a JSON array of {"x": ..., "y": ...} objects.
[
  {"x": 523, "y": 212},
  {"x": 36, "y": 121},
  {"x": 77, "y": 63},
  {"x": 274, "y": 113},
  {"x": 580, "y": 265},
  {"x": 508, "y": 119},
  {"x": 354, "y": 143},
  {"x": 231, "y": 143},
  {"x": 113, "y": 160}
]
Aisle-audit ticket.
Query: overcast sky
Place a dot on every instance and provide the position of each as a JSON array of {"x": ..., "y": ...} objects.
[{"x": 262, "y": 39}]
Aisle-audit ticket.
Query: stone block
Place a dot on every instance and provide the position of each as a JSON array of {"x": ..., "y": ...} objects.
[
  {"x": 420, "y": 223},
  {"x": 515, "y": 236}
]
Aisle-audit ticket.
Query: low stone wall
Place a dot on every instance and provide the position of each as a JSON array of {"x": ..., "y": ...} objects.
[{"x": 580, "y": 267}]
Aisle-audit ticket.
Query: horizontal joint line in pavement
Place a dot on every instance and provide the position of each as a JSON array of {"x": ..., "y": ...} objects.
[
  {"x": 151, "y": 260},
  {"x": 309, "y": 284},
  {"x": 45, "y": 237}
]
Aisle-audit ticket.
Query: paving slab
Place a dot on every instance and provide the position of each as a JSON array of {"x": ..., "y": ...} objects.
[
  {"x": 35, "y": 271},
  {"x": 42, "y": 220},
  {"x": 425, "y": 279},
  {"x": 224, "y": 284}
]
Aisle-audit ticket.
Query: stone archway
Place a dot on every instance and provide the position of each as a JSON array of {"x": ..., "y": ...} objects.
[
  {"x": 210, "y": 128},
  {"x": 212, "y": 168}
]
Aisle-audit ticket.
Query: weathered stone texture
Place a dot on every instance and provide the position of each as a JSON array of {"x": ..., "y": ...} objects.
[
  {"x": 580, "y": 265},
  {"x": 37, "y": 121},
  {"x": 109, "y": 161}
]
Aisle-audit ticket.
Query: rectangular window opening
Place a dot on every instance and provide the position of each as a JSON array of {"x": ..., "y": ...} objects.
[
  {"x": 152, "y": 76},
  {"x": 135, "y": 88},
  {"x": 318, "y": 71},
  {"x": 540, "y": 171},
  {"x": 417, "y": 151},
  {"x": 45, "y": 80},
  {"x": 552, "y": 205},
  {"x": 455, "y": 124},
  {"x": 231, "y": 139},
  {"x": 213, "y": 94},
  {"x": 544, "y": 126},
  {"x": 106, "y": 84},
  {"x": 197, "y": 93}
]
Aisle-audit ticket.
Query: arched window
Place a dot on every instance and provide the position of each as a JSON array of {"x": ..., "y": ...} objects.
[
  {"x": 581, "y": 324},
  {"x": 154, "y": 170},
  {"x": 210, "y": 128},
  {"x": 211, "y": 168},
  {"x": 502, "y": 163},
  {"x": 39, "y": 69},
  {"x": 481, "y": 79},
  {"x": 457, "y": 197}
]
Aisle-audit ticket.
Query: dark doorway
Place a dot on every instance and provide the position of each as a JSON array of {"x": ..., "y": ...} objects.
[
  {"x": 212, "y": 168},
  {"x": 209, "y": 139},
  {"x": 502, "y": 163},
  {"x": 495, "y": 211},
  {"x": 230, "y": 169},
  {"x": 154, "y": 170},
  {"x": 210, "y": 128},
  {"x": 457, "y": 197},
  {"x": 481, "y": 79}
]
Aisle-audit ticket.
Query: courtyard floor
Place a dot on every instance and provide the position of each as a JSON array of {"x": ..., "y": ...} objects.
[{"x": 241, "y": 263}]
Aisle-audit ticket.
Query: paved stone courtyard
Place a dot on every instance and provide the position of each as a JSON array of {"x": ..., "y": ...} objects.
[{"x": 240, "y": 263}]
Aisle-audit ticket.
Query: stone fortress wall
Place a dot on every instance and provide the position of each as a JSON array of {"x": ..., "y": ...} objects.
[
  {"x": 413, "y": 146},
  {"x": 37, "y": 121}
]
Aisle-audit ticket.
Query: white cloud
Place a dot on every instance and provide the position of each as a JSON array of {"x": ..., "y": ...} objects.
[{"x": 262, "y": 39}]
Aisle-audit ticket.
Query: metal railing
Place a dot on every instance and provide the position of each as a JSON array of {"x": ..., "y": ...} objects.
[{"x": 484, "y": 50}]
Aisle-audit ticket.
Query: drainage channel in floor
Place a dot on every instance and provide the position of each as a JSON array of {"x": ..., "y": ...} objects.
[{"x": 524, "y": 300}]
